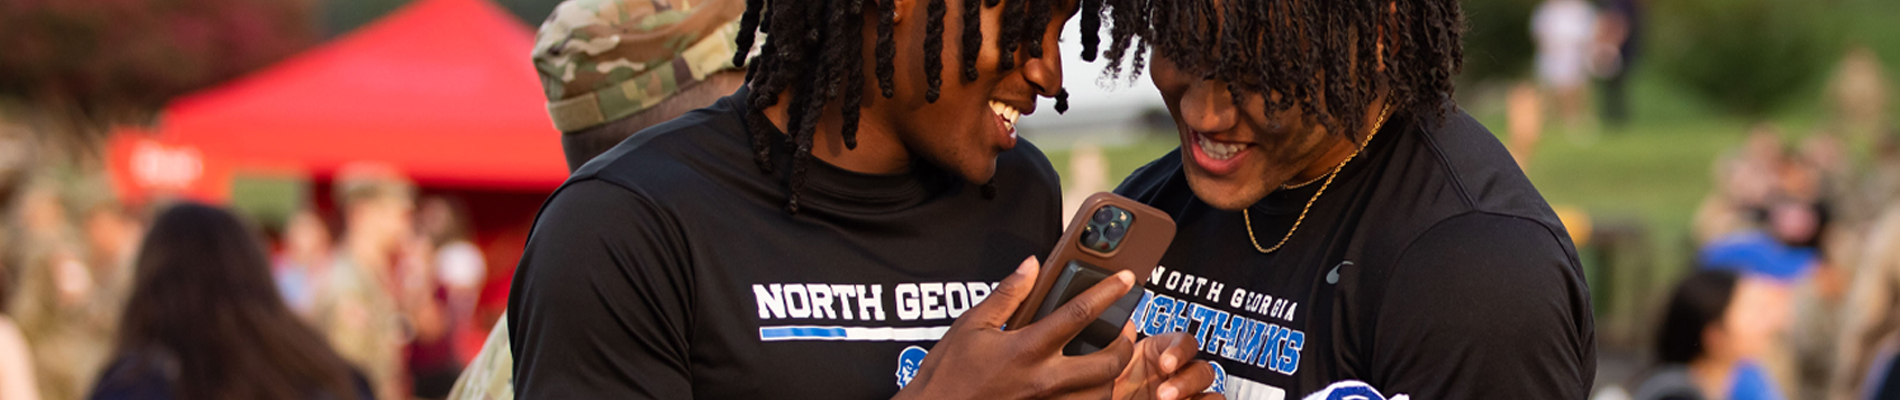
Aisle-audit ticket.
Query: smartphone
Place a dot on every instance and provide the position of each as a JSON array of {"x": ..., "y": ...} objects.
[{"x": 1109, "y": 234}]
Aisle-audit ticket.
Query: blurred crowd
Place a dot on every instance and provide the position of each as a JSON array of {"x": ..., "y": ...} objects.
[
  {"x": 1579, "y": 40},
  {"x": 1796, "y": 281},
  {"x": 1794, "y": 292},
  {"x": 385, "y": 283}
]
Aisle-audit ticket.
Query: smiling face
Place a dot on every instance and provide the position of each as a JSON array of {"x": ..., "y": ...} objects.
[
  {"x": 972, "y": 121},
  {"x": 1234, "y": 154},
  {"x": 1315, "y": 78}
]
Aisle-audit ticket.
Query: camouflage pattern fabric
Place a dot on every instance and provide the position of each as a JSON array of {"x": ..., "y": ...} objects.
[
  {"x": 355, "y": 311},
  {"x": 602, "y": 60},
  {"x": 490, "y": 376}
]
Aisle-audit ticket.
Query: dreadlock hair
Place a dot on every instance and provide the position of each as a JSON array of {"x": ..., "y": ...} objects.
[
  {"x": 1324, "y": 56},
  {"x": 813, "y": 48}
]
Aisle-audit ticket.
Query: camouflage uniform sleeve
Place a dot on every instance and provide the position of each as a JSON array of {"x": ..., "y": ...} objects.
[{"x": 491, "y": 375}]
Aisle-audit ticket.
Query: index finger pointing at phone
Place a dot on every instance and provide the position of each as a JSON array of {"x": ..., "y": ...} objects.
[{"x": 995, "y": 310}]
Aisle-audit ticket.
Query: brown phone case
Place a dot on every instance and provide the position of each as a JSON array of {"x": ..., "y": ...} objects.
[{"x": 1149, "y": 234}]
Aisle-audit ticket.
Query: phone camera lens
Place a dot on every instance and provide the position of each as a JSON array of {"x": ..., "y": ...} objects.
[
  {"x": 1089, "y": 236},
  {"x": 1115, "y": 232},
  {"x": 1102, "y": 215}
]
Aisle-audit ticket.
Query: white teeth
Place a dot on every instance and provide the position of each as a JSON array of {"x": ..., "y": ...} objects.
[
  {"x": 1217, "y": 150},
  {"x": 1009, "y": 114}
]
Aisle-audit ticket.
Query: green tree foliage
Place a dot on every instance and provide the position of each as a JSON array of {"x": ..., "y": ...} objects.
[
  {"x": 342, "y": 16},
  {"x": 95, "y": 61},
  {"x": 1747, "y": 57},
  {"x": 1498, "y": 44}
]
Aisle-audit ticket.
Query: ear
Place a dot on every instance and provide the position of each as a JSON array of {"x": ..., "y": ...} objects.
[{"x": 902, "y": 9}]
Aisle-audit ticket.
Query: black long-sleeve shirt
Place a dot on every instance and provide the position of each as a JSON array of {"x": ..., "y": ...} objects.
[
  {"x": 667, "y": 268},
  {"x": 1430, "y": 267}
]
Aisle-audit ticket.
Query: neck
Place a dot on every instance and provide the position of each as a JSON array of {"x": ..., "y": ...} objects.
[
  {"x": 878, "y": 150},
  {"x": 1343, "y": 148},
  {"x": 1713, "y": 375}
]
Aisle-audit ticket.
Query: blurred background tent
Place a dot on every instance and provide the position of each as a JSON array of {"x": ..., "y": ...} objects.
[{"x": 439, "y": 89}]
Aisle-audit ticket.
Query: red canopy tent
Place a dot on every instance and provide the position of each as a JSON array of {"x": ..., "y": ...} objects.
[{"x": 441, "y": 89}]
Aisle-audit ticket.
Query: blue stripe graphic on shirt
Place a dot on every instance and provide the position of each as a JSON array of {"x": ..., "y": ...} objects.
[{"x": 851, "y": 333}]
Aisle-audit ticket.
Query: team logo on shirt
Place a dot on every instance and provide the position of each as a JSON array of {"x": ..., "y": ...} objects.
[
  {"x": 1220, "y": 379},
  {"x": 908, "y": 362},
  {"x": 1352, "y": 390},
  {"x": 1257, "y": 332}
]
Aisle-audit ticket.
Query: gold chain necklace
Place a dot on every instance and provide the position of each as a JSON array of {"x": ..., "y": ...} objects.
[
  {"x": 1322, "y": 190},
  {"x": 1302, "y": 184}
]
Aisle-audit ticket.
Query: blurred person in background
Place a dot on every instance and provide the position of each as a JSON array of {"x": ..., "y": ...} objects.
[
  {"x": 1619, "y": 38},
  {"x": 1780, "y": 208},
  {"x": 53, "y": 307},
  {"x": 490, "y": 375},
  {"x": 1860, "y": 93},
  {"x": 1879, "y": 185},
  {"x": 459, "y": 266},
  {"x": 1776, "y": 266},
  {"x": 1870, "y": 333},
  {"x": 1712, "y": 324},
  {"x": 1825, "y": 219},
  {"x": 1565, "y": 32},
  {"x": 17, "y": 381},
  {"x": 205, "y": 321},
  {"x": 1744, "y": 179},
  {"x": 55, "y": 303},
  {"x": 1524, "y": 121},
  {"x": 303, "y": 263},
  {"x": 112, "y": 238},
  {"x": 359, "y": 310},
  {"x": 445, "y": 272}
]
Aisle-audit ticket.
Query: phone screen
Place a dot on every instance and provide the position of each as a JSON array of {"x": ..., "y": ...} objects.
[{"x": 1078, "y": 276}]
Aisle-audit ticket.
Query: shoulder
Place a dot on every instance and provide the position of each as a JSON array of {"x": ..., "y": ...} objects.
[
  {"x": 703, "y": 142},
  {"x": 1487, "y": 279},
  {"x": 1027, "y": 165},
  {"x": 1486, "y": 249},
  {"x": 1157, "y": 182},
  {"x": 1487, "y": 266},
  {"x": 1489, "y": 212},
  {"x": 1478, "y": 270},
  {"x": 136, "y": 375},
  {"x": 1452, "y": 171},
  {"x": 594, "y": 207},
  {"x": 1484, "y": 305},
  {"x": 1477, "y": 166}
]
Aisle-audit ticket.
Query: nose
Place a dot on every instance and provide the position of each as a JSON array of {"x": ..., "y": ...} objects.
[
  {"x": 1208, "y": 106},
  {"x": 1045, "y": 73}
]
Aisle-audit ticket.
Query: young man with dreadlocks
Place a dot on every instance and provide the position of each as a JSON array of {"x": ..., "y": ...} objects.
[
  {"x": 1344, "y": 227},
  {"x": 840, "y": 221}
]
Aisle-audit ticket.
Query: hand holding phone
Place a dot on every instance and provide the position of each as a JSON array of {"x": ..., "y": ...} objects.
[{"x": 1110, "y": 233}]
